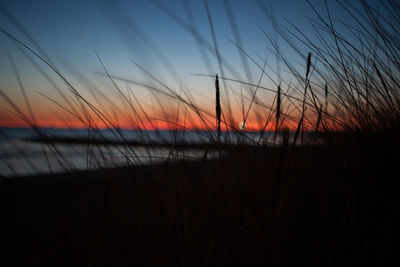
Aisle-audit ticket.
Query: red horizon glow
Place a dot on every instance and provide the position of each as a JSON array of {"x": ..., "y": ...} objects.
[
  {"x": 153, "y": 125},
  {"x": 169, "y": 118}
]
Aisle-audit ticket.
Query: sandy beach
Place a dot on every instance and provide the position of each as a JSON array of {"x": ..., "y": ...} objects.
[{"x": 213, "y": 213}]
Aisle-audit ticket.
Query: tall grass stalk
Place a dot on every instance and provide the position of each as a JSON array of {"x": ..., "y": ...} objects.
[
  {"x": 278, "y": 109},
  {"x": 305, "y": 97},
  {"x": 218, "y": 109}
]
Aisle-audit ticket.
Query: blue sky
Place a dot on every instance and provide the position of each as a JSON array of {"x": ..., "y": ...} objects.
[{"x": 70, "y": 32}]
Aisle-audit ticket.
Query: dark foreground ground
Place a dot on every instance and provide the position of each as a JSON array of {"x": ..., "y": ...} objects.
[{"x": 334, "y": 205}]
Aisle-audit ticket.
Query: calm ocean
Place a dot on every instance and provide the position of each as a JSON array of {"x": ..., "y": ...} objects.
[{"x": 20, "y": 155}]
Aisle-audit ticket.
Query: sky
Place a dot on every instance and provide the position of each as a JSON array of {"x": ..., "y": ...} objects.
[{"x": 82, "y": 39}]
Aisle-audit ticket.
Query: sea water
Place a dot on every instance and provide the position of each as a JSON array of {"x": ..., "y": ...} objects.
[{"x": 20, "y": 154}]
